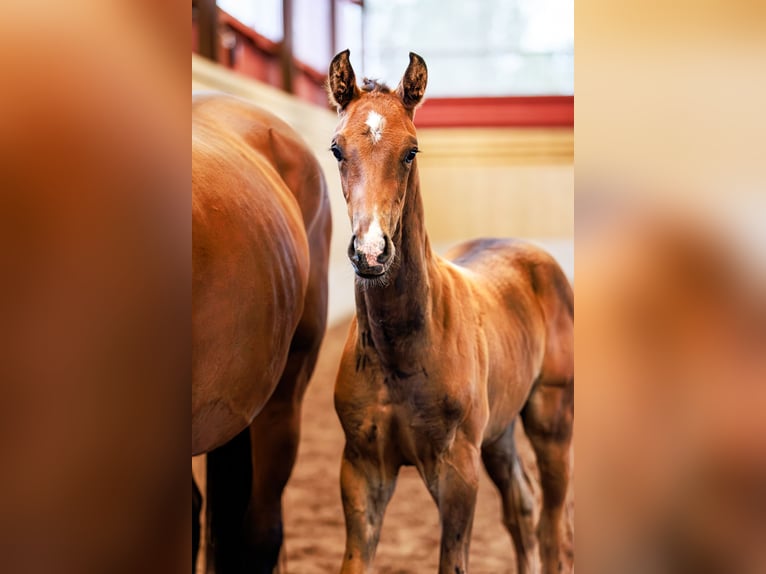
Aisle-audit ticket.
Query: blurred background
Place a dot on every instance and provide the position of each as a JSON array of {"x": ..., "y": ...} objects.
[{"x": 496, "y": 130}]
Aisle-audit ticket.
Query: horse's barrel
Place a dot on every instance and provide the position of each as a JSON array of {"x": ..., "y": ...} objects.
[{"x": 250, "y": 256}]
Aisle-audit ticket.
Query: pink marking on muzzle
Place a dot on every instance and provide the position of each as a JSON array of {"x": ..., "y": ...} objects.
[{"x": 372, "y": 259}]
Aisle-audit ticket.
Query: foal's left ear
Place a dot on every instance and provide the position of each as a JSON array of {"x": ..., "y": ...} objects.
[{"x": 413, "y": 84}]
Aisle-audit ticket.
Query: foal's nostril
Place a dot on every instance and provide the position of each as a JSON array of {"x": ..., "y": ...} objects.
[
  {"x": 352, "y": 254},
  {"x": 386, "y": 255}
]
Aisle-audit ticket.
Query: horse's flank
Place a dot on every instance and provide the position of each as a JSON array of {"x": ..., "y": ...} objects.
[
  {"x": 248, "y": 243},
  {"x": 260, "y": 241}
]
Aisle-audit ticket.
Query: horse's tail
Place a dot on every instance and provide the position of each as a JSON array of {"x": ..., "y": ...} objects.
[{"x": 229, "y": 483}]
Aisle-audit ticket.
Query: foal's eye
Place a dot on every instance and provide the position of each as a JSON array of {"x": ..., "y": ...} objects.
[
  {"x": 411, "y": 155},
  {"x": 336, "y": 152}
]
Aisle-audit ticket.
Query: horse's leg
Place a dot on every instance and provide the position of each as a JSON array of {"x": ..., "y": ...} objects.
[
  {"x": 506, "y": 471},
  {"x": 227, "y": 496},
  {"x": 366, "y": 487},
  {"x": 455, "y": 494},
  {"x": 274, "y": 437},
  {"x": 196, "y": 510},
  {"x": 275, "y": 432},
  {"x": 246, "y": 478},
  {"x": 548, "y": 417}
]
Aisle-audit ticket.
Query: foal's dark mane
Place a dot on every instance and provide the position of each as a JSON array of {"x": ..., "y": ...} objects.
[{"x": 371, "y": 85}]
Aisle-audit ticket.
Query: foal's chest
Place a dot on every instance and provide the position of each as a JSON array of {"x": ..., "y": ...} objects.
[{"x": 417, "y": 413}]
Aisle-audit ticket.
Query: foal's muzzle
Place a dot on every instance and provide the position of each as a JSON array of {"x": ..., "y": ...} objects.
[{"x": 369, "y": 261}]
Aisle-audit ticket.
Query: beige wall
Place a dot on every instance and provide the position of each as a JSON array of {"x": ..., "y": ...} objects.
[
  {"x": 497, "y": 182},
  {"x": 475, "y": 182}
]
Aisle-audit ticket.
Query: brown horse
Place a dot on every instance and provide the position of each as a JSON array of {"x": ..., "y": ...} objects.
[
  {"x": 443, "y": 355},
  {"x": 260, "y": 242}
]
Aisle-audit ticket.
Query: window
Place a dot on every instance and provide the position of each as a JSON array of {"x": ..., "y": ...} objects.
[
  {"x": 312, "y": 41},
  {"x": 348, "y": 28},
  {"x": 263, "y": 16},
  {"x": 474, "y": 47},
  {"x": 491, "y": 62}
]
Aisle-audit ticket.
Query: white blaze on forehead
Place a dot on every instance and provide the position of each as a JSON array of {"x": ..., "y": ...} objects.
[{"x": 375, "y": 122}]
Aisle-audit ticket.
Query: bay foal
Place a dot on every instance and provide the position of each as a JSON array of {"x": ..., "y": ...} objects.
[{"x": 442, "y": 355}]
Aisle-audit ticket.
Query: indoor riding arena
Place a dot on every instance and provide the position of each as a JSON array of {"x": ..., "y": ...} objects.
[
  {"x": 389, "y": 205},
  {"x": 495, "y": 154}
]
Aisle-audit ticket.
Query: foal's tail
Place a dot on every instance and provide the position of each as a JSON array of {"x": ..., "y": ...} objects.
[{"x": 229, "y": 483}]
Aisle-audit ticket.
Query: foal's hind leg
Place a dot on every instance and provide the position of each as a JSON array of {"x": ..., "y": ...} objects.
[
  {"x": 548, "y": 417},
  {"x": 506, "y": 471}
]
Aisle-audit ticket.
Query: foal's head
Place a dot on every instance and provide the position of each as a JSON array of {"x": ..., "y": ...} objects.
[{"x": 375, "y": 145}]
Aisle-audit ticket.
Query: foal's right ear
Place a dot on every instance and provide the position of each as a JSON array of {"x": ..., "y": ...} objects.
[
  {"x": 413, "y": 85},
  {"x": 341, "y": 82}
]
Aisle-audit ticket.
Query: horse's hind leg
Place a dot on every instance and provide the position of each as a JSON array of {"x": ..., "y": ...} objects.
[
  {"x": 276, "y": 430},
  {"x": 274, "y": 438},
  {"x": 227, "y": 494},
  {"x": 548, "y": 417},
  {"x": 506, "y": 471}
]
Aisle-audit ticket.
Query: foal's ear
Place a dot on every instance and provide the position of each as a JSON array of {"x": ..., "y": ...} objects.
[
  {"x": 341, "y": 82},
  {"x": 413, "y": 84}
]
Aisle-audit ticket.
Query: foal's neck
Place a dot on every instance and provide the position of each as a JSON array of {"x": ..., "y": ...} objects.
[{"x": 394, "y": 317}]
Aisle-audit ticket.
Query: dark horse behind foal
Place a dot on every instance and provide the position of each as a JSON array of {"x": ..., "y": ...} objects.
[
  {"x": 443, "y": 356},
  {"x": 260, "y": 242}
]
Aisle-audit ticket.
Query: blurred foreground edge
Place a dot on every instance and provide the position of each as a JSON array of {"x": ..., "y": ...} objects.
[
  {"x": 671, "y": 359},
  {"x": 94, "y": 294}
]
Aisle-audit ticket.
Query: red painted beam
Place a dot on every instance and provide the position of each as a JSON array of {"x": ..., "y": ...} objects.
[{"x": 520, "y": 111}]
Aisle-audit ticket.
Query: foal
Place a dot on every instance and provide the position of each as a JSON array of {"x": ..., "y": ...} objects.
[{"x": 442, "y": 355}]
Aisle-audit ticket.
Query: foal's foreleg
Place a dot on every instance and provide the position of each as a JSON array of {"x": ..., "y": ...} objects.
[
  {"x": 455, "y": 494},
  {"x": 366, "y": 487}
]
